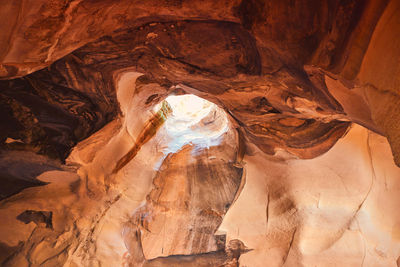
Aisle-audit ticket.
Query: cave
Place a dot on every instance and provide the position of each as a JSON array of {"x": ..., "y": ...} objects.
[{"x": 243, "y": 133}]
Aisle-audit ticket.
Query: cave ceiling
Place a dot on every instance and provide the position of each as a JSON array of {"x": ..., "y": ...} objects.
[
  {"x": 292, "y": 76},
  {"x": 266, "y": 63}
]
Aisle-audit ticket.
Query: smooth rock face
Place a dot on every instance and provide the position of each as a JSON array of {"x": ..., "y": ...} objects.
[
  {"x": 296, "y": 164},
  {"x": 190, "y": 192}
]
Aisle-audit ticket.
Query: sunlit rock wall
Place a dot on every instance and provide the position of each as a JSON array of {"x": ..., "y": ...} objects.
[
  {"x": 337, "y": 209},
  {"x": 296, "y": 162}
]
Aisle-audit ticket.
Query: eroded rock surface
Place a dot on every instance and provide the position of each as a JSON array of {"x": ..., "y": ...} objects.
[{"x": 300, "y": 162}]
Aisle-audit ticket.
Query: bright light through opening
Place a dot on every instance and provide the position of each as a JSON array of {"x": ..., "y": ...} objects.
[
  {"x": 193, "y": 120},
  {"x": 189, "y": 108}
]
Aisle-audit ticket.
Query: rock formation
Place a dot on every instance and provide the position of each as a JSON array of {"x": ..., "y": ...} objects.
[{"x": 293, "y": 158}]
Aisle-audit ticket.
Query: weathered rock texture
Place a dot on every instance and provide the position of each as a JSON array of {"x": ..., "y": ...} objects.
[{"x": 83, "y": 153}]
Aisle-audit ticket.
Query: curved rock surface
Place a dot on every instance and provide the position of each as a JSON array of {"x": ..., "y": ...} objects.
[{"x": 297, "y": 161}]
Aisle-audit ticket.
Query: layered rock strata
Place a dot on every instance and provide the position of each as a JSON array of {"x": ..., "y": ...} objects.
[{"x": 301, "y": 166}]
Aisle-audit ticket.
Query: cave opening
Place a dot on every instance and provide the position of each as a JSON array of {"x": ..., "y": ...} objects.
[
  {"x": 193, "y": 120},
  {"x": 106, "y": 160},
  {"x": 196, "y": 179}
]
